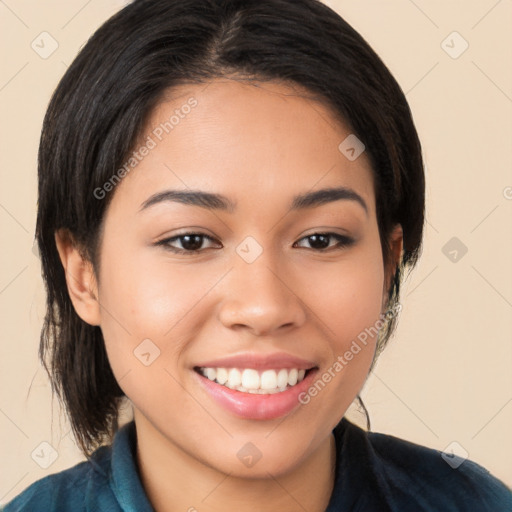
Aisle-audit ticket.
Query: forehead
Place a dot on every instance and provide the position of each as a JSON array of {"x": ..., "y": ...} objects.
[{"x": 249, "y": 141}]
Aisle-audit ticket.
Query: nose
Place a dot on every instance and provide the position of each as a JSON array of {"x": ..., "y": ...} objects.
[{"x": 260, "y": 299}]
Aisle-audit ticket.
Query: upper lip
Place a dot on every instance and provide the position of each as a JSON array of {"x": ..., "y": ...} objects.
[{"x": 258, "y": 361}]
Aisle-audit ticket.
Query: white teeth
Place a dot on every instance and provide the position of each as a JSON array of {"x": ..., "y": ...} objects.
[
  {"x": 222, "y": 375},
  {"x": 292, "y": 377},
  {"x": 211, "y": 373},
  {"x": 282, "y": 378},
  {"x": 268, "y": 379},
  {"x": 234, "y": 378},
  {"x": 249, "y": 380}
]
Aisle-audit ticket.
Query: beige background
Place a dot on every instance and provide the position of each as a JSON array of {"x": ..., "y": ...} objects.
[{"x": 446, "y": 375}]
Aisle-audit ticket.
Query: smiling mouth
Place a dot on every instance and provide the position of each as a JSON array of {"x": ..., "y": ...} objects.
[{"x": 249, "y": 380}]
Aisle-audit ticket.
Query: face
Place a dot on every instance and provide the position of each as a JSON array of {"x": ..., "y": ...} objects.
[{"x": 263, "y": 285}]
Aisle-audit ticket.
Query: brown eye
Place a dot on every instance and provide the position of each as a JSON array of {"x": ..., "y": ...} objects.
[
  {"x": 191, "y": 242},
  {"x": 187, "y": 243},
  {"x": 322, "y": 241}
]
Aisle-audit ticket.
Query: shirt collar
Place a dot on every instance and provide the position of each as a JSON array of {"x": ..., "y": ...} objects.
[{"x": 125, "y": 480}]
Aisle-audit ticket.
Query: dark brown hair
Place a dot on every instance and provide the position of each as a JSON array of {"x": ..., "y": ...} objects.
[{"x": 104, "y": 99}]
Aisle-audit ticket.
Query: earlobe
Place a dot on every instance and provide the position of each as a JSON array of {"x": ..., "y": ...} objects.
[{"x": 80, "y": 278}]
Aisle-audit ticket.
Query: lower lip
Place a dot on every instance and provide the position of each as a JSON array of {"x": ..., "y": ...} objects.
[{"x": 253, "y": 406}]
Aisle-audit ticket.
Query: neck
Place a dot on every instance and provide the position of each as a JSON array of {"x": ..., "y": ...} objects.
[{"x": 175, "y": 480}]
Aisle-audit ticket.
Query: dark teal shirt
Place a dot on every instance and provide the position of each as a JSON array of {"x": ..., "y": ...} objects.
[{"x": 374, "y": 473}]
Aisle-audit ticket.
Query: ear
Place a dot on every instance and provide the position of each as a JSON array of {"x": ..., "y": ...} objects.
[
  {"x": 80, "y": 278},
  {"x": 395, "y": 242}
]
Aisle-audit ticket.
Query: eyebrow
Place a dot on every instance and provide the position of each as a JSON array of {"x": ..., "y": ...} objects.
[
  {"x": 192, "y": 197},
  {"x": 212, "y": 201},
  {"x": 327, "y": 195}
]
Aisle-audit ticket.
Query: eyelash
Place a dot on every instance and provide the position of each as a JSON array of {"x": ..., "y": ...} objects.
[{"x": 343, "y": 241}]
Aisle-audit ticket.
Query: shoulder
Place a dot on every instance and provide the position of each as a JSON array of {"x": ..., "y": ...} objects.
[
  {"x": 451, "y": 483},
  {"x": 410, "y": 476},
  {"x": 79, "y": 488},
  {"x": 107, "y": 481}
]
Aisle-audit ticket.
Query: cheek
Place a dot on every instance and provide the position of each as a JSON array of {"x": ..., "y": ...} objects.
[
  {"x": 348, "y": 300},
  {"x": 144, "y": 297},
  {"x": 347, "y": 295},
  {"x": 358, "y": 303},
  {"x": 349, "y": 305}
]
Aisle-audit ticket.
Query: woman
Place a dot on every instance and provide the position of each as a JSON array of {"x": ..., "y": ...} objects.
[{"x": 230, "y": 193}]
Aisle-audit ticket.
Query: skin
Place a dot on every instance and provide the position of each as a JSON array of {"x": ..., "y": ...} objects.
[{"x": 259, "y": 144}]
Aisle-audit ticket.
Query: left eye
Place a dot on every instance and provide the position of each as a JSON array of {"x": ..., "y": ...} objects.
[{"x": 322, "y": 241}]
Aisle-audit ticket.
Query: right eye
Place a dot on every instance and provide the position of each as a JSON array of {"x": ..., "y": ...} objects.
[{"x": 190, "y": 243}]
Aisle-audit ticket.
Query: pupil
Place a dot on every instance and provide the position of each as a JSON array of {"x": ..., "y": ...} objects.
[
  {"x": 191, "y": 242},
  {"x": 319, "y": 241}
]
